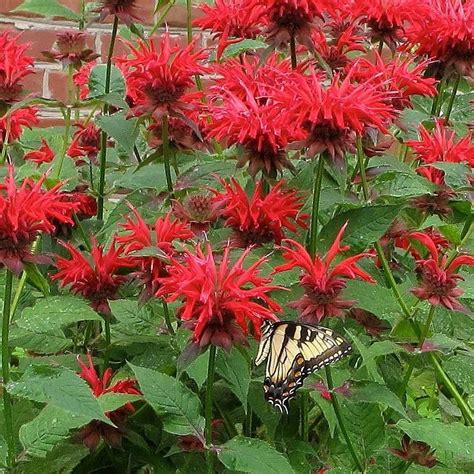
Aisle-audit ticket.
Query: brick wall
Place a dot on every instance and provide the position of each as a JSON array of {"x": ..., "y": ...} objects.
[{"x": 49, "y": 80}]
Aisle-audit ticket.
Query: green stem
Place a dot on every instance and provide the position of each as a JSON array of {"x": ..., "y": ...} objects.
[
  {"x": 361, "y": 161},
  {"x": 294, "y": 61},
  {"x": 337, "y": 411},
  {"x": 453, "y": 97},
  {"x": 422, "y": 339},
  {"x": 380, "y": 49},
  {"x": 437, "y": 98},
  {"x": 103, "y": 134},
  {"x": 166, "y": 312},
  {"x": 189, "y": 20},
  {"x": 304, "y": 416},
  {"x": 313, "y": 232},
  {"x": 67, "y": 130},
  {"x": 166, "y": 152},
  {"x": 3, "y": 157},
  {"x": 248, "y": 422},
  {"x": 161, "y": 18},
  {"x": 81, "y": 230},
  {"x": 208, "y": 408},
  {"x": 107, "y": 343},
  {"x": 7, "y": 402}
]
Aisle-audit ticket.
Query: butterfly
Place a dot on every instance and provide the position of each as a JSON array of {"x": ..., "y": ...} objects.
[{"x": 293, "y": 351}]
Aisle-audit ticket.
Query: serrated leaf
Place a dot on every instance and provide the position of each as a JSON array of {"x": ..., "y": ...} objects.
[
  {"x": 179, "y": 406},
  {"x": 460, "y": 368},
  {"x": 454, "y": 438},
  {"x": 48, "y": 8},
  {"x": 253, "y": 456},
  {"x": 365, "y": 226},
  {"x": 42, "y": 343},
  {"x": 371, "y": 392},
  {"x": 233, "y": 366},
  {"x": 58, "y": 386},
  {"x": 112, "y": 401},
  {"x": 150, "y": 177},
  {"x": 123, "y": 131},
  {"x": 97, "y": 82}
]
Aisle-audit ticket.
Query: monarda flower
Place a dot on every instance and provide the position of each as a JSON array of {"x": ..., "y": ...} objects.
[
  {"x": 25, "y": 213},
  {"x": 333, "y": 117},
  {"x": 12, "y": 124},
  {"x": 230, "y": 21},
  {"x": 15, "y": 65},
  {"x": 96, "y": 276},
  {"x": 70, "y": 49},
  {"x": 219, "y": 299},
  {"x": 415, "y": 452},
  {"x": 159, "y": 236},
  {"x": 159, "y": 76},
  {"x": 438, "y": 277},
  {"x": 85, "y": 143},
  {"x": 124, "y": 10},
  {"x": 322, "y": 281},
  {"x": 92, "y": 433},
  {"x": 446, "y": 33},
  {"x": 81, "y": 79},
  {"x": 43, "y": 155},
  {"x": 260, "y": 218}
]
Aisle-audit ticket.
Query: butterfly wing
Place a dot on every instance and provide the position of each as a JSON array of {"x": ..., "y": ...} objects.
[{"x": 296, "y": 350}]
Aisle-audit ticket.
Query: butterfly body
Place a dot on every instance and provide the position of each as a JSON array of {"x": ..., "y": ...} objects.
[{"x": 293, "y": 351}]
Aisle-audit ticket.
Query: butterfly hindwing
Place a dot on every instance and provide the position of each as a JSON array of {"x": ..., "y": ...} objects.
[{"x": 295, "y": 350}]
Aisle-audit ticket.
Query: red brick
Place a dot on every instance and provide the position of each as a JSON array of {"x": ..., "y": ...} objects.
[
  {"x": 177, "y": 16},
  {"x": 7, "y": 6},
  {"x": 46, "y": 122},
  {"x": 119, "y": 50},
  {"x": 144, "y": 9},
  {"x": 57, "y": 83},
  {"x": 33, "y": 83}
]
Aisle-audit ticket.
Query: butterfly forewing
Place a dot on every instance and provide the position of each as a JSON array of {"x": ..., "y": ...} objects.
[{"x": 294, "y": 351}]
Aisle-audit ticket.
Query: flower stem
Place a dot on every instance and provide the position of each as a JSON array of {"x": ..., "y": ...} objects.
[
  {"x": 189, "y": 20},
  {"x": 422, "y": 338},
  {"x": 294, "y": 61},
  {"x": 453, "y": 97},
  {"x": 211, "y": 368},
  {"x": 103, "y": 134},
  {"x": 67, "y": 129},
  {"x": 438, "y": 97},
  {"x": 304, "y": 416},
  {"x": 380, "y": 49},
  {"x": 361, "y": 160},
  {"x": 317, "y": 187},
  {"x": 166, "y": 152},
  {"x": 166, "y": 312},
  {"x": 161, "y": 18},
  {"x": 337, "y": 411},
  {"x": 7, "y": 402},
  {"x": 107, "y": 343}
]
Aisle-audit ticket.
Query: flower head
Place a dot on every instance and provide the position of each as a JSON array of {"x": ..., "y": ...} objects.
[
  {"x": 322, "y": 281},
  {"x": 415, "y": 452},
  {"x": 438, "y": 277},
  {"x": 81, "y": 78},
  {"x": 26, "y": 212},
  {"x": 44, "y": 155},
  {"x": 124, "y": 10},
  {"x": 259, "y": 219},
  {"x": 159, "y": 76},
  {"x": 12, "y": 124},
  {"x": 160, "y": 235},
  {"x": 70, "y": 49},
  {"x": 15, "y": 65},
  {"x": 94, "y": 431},
  {"x": 85, "y": 143},
  {"x": 219, "y": 299},
  {"x": 96, "y": 276}
]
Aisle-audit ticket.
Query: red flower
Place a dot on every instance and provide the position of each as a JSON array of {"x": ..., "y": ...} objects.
[
  {"x": 332, "y": 117},
  {"x": 322, "y": 281},
  {"x": 85, "y": 143},
  {"x": 44, "y": 155},
  {"x": 372, "y": 325},
  {"x": 437, "y": 203},
  {"x": 399, "y": 78},
  {"x": 326, "y": 393},
  {"x": 446, "y": 33},
  {"x": 95, "y": 277},
  {"x": 259, "y": 219},
  {"x": 219, "y": 300},
  {"x": 386, "y": 18},
  {"x": 159, "y": 75},
  {"x": 71, "y": 49},
  {"x": 12, "y": 124},
  {"x": 81, "y": 79},
  {"x": 161, "y": 236},
  {"x": 190, "y": 443},
  {"x": 415, "y": 452},
  {"x": 15, "y": 65},
  {"x": 94, "y": 431},
  {"x": 26, "y": 212},
  {"x": 403, "y": 241},
  {"x": 124, "y": 10},
  {"x": 231, "y": 21},
  {"x": 438, "y": 280}
]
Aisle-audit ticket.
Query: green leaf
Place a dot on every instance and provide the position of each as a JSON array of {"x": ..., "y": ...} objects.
[
  {"x": 455, "y": 174},
  {"x": 3, "y": 451},
  {"x": 267, "y": 414},
  {"x": 58, "y": 386},
  {"x": 36, "y": 278},
  {"x": 179, "y": 406},
  {"x": 202, "y": 174},
  {"x": 197, "y": 369},
  {"x": 151, "y": 177},
  {"x": 48, "y": 8},
  {"x": 371, "y": 392},
  {"x": 454, "y": 437},
  {"x": 237, "y": 49},
  {"x": 233, "y": 366},
  {"x": 365, "y": 226},
  {"x": 253, "y": 456},
  {"x": 97, "y": 81},
  {"x": 43, "y": 343},
  {"x": 113, "y": 401},
  {"x": 49, "y": 428},
  {"x": 123, "y": 131},
  {"x": 460, "y": 368}
]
